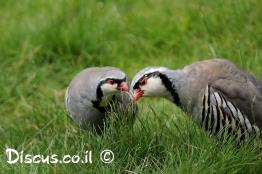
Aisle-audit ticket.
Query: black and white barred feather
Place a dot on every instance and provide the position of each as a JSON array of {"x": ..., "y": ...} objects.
[{"x": 221, "y": 117}]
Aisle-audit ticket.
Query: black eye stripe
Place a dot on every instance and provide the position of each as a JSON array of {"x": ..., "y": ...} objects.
[
  {"x": 136, "y": 86},
  {"x": 118, "y": 81},
  {"x": 153, "y": 74}
]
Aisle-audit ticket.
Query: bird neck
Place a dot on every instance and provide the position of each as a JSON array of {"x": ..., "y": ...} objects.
[
  {"x": 105, "y": 100},
  {"x": 170, "y": 79},
  {"x": 104, "y": 104}
]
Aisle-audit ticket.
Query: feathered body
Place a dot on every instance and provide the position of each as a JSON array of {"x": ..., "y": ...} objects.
[
  {"x": 216, "y": 93},
  {"x": 88, "y": 96}
]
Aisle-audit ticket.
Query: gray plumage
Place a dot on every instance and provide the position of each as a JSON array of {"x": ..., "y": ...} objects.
[
  {"x": 85, "y": 101},
  {"x": 216, "y": 93}
]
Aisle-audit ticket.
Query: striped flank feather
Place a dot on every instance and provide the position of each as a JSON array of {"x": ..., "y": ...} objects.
[{"x": 220, "y": 117}]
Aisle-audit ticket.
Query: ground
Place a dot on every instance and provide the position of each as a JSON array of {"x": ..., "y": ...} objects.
[{"x": 44, "y": 43}]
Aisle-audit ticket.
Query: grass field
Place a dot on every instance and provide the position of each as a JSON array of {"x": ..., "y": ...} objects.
[{"x": 44, "y": 43}]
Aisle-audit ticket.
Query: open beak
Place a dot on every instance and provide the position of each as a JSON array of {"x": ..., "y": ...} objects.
[
  {"x": 137, "y": 94},
  {"x": 123, "y": 87}
]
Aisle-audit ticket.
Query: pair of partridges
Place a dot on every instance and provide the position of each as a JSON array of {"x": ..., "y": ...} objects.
[{"x": 216, "y": 93}]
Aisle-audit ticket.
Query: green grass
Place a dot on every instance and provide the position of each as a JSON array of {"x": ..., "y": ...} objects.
[{"x": 44, "y": 43}]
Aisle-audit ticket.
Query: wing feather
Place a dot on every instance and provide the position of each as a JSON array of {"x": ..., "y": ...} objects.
[{"x": 223, "y": 118}]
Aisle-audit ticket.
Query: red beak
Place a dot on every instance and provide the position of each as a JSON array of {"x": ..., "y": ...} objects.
[
  {"x": 137, "y": 94},
  {"x": 123, "y": 86}
]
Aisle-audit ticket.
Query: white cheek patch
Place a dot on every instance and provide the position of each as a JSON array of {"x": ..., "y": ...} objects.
[
  {"x": 154, "y": 87},
  {"x": 109, "y": 89}
]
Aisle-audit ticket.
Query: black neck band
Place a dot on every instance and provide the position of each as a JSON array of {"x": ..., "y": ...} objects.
[
  {"x": 99, "y": 95},
  {"x": 171, "y": 88}
]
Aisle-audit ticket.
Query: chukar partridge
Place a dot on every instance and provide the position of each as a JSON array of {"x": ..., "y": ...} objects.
[
  {"x": 93, "y": 91},
  {"x": 220, "y": 96}
]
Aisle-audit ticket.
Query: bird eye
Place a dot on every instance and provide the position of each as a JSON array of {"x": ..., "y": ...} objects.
[
  {"x": 143, "y": 81},
  {"x": 111, "y": 82}
]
